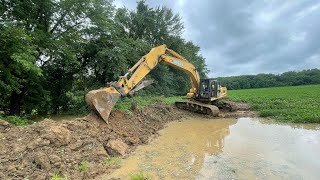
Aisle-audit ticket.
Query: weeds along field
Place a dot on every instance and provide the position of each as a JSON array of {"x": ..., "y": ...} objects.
[
  {"x": 142, "y": 101},
  {"x": 299, "y": 104}
]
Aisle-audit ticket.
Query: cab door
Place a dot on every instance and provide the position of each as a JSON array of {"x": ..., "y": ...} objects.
[{"x": 205, "y": 89}]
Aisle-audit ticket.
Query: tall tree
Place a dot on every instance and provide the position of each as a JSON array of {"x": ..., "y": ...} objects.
[
  {"x": 17, "y": 67},
  {"x": 56, "y": 29},
  {"x": 54, "y": 51},
  {"x": 156, "y": 26}
]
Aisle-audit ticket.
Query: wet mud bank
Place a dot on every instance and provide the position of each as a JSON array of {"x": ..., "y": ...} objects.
[{"x": 61, "y": 148}]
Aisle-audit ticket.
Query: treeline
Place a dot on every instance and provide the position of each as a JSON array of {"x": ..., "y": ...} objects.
[
  {"x": 291, "y": 78},
  {"x": 53, "y": 52}
]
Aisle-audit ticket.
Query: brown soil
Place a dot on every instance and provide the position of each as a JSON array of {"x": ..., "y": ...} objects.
[{"x": 41, "y": 150}]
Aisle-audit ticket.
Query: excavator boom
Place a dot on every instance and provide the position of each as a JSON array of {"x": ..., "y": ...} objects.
[{"x": 103, "y": 100}]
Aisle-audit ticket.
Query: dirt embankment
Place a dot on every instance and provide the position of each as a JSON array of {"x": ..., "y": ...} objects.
[{"x": 47, "y": 148}]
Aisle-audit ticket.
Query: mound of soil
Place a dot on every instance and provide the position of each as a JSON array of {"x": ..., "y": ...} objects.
[{"x": 41, "y": 150}]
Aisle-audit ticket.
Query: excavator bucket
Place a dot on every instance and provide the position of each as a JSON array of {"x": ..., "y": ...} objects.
[{"x": 102, "y": 102}]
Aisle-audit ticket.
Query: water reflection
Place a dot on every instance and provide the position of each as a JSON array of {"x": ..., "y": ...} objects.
[
  {"x": 257, "y": 150},
  {"x": 180, "y": 151},
  {"x": 228, "y": 149},
  {"x": 307, "y": 126}
]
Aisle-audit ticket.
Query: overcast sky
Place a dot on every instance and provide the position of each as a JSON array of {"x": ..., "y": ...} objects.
[{"x": 250, "y": 36}]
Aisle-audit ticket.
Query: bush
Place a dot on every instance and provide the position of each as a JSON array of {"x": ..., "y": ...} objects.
[
  {"x": 76, "y": 104},
  {"x": 16, "y": 120}
]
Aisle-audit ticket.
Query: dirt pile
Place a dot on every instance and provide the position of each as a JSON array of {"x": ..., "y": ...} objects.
[
  {"x": 41, "y": 150},
  {"x": 49, "y": 148}
]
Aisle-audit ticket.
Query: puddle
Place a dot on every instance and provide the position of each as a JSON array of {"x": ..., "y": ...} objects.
[{"x": 244, "y": 148}]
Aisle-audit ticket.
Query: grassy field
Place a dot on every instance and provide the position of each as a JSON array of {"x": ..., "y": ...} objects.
[
  {"x": 142, "y": 101},
  {"x": 299, "y": 104}
]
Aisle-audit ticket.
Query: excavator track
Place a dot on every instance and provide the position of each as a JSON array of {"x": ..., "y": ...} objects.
[
  {"x": 198, "y": 107},
  {"x": 230, "y": 106}
]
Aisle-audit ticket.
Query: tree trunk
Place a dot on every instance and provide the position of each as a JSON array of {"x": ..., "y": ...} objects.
[
  {"x": 56, "y": 109},
  {"x": 15, "y": 103}
]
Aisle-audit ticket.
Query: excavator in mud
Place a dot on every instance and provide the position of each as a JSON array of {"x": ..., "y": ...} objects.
[{"x": 201, "y": 98}]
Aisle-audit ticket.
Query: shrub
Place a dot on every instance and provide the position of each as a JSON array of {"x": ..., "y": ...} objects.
[{"x": 16, "y": 120}]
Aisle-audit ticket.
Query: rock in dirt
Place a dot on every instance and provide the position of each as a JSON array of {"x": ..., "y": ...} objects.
[
  {"x": 100, "y": 152},
  {"x": 39, "y": 142},
  {"x": 57, "y": 135},
  {"x": 42, "y": 161},
  {"x": 116, "y": 147},
  {"x": 4, "y": 124},
  {"x": 54, "y": 159}
]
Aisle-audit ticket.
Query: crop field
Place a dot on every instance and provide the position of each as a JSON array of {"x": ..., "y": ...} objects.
[{"x": 299, "y": 104}]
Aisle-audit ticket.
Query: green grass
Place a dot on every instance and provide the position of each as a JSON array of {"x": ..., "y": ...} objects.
[
  {"x": 139, "y": 176},
  {"x": 298, "y": 104},
  {"x": 56, "y": 176},
  {"x": 112, "y": 161},
  {"x": 16, "y": 120},
  {"x": 143, "y": 101},
  {"x": 84, "y": 166}
]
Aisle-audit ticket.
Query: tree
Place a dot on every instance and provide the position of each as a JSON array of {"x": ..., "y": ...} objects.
[
  {"x": 17, "y": 67},
  {"x": 156, "y": 26},
  {"x": 53, "y": 52},
  {"x": 54, "y": 32},
  {"x": 290, "y": 78}
]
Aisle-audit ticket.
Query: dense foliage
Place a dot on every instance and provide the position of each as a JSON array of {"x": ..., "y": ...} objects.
[
  {"x": 291, "y": 78},
  {"x": 53, "y": 52},
  {"x": 299, "y": 104}
]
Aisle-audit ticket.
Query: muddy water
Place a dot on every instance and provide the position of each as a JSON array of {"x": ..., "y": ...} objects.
[{"x": 242, "y": 148}]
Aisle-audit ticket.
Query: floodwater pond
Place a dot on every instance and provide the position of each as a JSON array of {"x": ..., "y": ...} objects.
[{"x": 244, "y": 148}]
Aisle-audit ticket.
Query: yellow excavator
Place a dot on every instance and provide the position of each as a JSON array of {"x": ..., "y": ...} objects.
[{"x": 200, "y": 98}]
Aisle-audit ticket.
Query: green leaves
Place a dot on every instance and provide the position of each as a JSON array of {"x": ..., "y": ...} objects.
[
  {"x": 27, "y": 61},
  {"x": 53, "y": 52},
  {"x": 300, "y": 104},
  {"x": 19, "y": 121}
]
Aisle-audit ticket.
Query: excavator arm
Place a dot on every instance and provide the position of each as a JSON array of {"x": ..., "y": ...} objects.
[{"x": 103, "y": 100}]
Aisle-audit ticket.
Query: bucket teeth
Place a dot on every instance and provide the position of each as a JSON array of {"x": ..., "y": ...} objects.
[{"x": 102, "y": 102}]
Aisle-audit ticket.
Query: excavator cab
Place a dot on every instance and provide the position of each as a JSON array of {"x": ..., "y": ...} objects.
[{"x": 209, "y": 89}]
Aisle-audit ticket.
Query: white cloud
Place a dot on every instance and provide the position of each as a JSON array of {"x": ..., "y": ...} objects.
[
  {"x": 307, "y": 11},
  {"x": 248, "y": 36}
]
